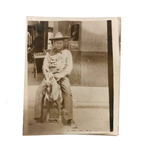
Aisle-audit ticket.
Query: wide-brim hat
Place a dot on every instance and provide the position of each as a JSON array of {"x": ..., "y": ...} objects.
[{"x": 59, "y": 36}]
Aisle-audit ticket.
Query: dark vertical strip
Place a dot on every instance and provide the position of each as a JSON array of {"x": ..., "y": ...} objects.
[
  {"x": 110, "y": 73},
  {"x": 45, "y": 34}
]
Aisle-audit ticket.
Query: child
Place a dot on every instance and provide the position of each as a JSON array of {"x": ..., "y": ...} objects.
[{"x": 59, "y": 63}]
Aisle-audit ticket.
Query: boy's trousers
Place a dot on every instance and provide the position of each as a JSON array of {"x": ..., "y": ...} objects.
[{"x": 66, "y": 94}]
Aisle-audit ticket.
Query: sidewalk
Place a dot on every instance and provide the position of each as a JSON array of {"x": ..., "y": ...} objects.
[{"x": 86, "y": 119}]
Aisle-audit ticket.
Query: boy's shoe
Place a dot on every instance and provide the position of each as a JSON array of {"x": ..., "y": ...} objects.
[
  {"x": 36, "y": 120},
  {"x": 32, "y": 122},
  {"x": 39, "y": 120},
  {"x": 72, "y": 124}
]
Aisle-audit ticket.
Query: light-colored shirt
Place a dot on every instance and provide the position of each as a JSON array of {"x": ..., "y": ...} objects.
[{"x": 60, "y": 62}]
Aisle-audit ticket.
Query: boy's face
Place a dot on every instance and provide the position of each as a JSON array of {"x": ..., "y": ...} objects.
[{"x": 59, "y": 45}]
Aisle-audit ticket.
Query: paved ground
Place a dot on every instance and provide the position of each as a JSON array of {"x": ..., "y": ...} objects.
[{"x": 87, "y": 119}]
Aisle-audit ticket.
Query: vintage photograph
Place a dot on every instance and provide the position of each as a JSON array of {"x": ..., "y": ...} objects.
[{"x": 72, "y": 76}]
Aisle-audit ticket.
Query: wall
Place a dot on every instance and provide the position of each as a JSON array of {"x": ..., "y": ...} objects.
[
  {"x": 89, "y": 69},
  {"x": 51, "y": 24},
  {"x": 32, "y": 23}
]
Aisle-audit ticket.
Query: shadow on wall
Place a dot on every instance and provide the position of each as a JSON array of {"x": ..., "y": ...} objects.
[{"x": 90, "y": 69}]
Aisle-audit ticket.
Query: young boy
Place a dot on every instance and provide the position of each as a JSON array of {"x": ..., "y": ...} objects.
[{"x": 59, "y": 62}]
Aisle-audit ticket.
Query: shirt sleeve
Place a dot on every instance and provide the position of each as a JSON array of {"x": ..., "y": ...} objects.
[{"x": 69, "y": 64}]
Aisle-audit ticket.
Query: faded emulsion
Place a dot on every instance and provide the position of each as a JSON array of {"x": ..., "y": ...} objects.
[{"x": 87, "y": 89}]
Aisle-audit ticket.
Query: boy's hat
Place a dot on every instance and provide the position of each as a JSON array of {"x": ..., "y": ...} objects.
[{"x": 59, "y": 36}]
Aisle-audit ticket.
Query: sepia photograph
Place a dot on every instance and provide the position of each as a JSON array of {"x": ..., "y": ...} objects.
[{"x": 72, "y": 76}]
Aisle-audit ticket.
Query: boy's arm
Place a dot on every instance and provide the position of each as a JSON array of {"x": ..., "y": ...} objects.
[
  {"x": 68, "y": 69},
  {"x": 69, "y": 63}
]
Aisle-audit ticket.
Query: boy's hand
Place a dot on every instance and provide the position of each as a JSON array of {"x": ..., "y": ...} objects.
[
  {"x": 58, "y": 76},
  {"x": 47, "y": 83}
]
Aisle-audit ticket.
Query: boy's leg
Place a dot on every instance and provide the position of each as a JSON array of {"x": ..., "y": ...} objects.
[
  {"x": 40, "y": 93},
  {"x": 67, "y": 97}
]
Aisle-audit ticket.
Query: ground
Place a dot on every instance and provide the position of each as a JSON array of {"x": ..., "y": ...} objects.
[{"x": 94, "y": 119}]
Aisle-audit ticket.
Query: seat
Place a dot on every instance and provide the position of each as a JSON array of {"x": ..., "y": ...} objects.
[{"x": 53, "y": 102}]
